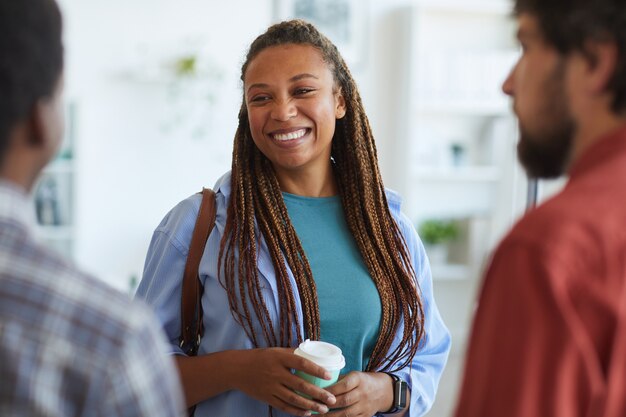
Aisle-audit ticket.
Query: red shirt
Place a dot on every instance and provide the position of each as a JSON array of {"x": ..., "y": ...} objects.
[{"x": 549, "y": 335}]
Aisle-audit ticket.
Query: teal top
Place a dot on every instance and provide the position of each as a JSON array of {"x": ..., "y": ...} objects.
[{"x": 350, "y": 307}]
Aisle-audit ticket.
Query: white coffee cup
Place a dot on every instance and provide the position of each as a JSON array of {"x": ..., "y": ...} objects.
[{"x": 325, "y": 355}]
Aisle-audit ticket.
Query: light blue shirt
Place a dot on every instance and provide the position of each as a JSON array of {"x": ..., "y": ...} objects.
[{"x": 161, "y": 287}]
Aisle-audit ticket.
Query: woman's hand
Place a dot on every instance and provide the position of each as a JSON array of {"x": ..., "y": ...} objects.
[
  {"x": 265, "y": 374},
  {"x": 362, "y": 394}
]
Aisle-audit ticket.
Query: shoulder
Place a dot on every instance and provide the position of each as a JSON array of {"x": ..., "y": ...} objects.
[
  {"x": 394, "y": 201},
  {"x": 557, "y": 221},
  {"x": 116, "y": 314},
  {"x": 407, "y": 228},
  {"x": 61, "y": 305},
  {"x": 178, "y": 224},
  {"x": 558, "y": 232},
  {"x": 188, "y": 208}
]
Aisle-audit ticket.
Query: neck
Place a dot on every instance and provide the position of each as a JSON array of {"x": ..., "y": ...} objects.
[
  {"x": 308, "y": 184},
  {"x": 593, "y": 129},
  {"x": 22, "y": 163},
  {"x": 18, "y": 174}
]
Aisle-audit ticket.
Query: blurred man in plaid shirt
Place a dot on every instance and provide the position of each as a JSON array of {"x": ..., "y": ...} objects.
[{"x": 69, "y": 345}]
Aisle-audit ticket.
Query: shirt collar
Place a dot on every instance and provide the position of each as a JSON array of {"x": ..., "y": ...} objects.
[
  {"x": 611, "y": 145},
  {"x": 222, "y": 185},
  {"x": 15, "y": 203}
]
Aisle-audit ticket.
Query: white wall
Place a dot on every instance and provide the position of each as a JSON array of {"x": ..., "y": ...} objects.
[
  {"x": 130, "y": 168},
  {"x": 387, "y": 83}
]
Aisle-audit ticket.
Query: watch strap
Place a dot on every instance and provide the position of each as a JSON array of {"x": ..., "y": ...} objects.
[{"x": 399, "y": 394}]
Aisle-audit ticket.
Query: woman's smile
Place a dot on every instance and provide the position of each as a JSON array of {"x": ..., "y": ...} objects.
[{"x": 289, "y": 135}]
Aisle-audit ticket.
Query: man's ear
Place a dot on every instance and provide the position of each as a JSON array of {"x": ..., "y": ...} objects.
[
  {"x": 45, "y": 123},
  {"x": 601, "y": 58},
  {"x": 36, "y": 124}
]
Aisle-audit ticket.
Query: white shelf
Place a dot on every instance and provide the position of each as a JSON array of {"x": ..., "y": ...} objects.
[
  {"x": 495, "y": 7},
  {"x": 457, "y": 174},
  {"x": 450, "y": 272},
  {"x": 459, "y": 136},
  {"x": 465, "y": 107},
  {"x": 454, "y": 97}
]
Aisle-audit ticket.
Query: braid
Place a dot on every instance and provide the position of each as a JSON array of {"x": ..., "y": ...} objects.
[
  {"x": 257, "y": 196},
  {"x": 376, "y": 233},
  {"x": 257, "y": 215}
]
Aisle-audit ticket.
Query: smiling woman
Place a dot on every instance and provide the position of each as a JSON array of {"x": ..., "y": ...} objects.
[
  {"x": 308, "y": 244},
  {"x": 293, "y": 103}
]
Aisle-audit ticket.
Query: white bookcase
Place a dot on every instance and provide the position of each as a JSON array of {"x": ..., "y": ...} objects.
[
  {"x": 54, "y": 194},
  {"x": 459, "y": 139}
]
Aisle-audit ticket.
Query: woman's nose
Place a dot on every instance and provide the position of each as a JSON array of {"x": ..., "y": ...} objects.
[{"x": 284, "y": 110}]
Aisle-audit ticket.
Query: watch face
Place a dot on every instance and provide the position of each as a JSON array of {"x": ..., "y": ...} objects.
[{"x": 400, "y": 395}]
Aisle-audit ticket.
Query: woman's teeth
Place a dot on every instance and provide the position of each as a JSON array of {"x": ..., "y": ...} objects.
[{"x": 290, "y": 136}]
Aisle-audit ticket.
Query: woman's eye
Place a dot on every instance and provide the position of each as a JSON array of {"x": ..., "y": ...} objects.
[
  {"x": 259, "y": 99},
  {"x": 302, "y": 91}
]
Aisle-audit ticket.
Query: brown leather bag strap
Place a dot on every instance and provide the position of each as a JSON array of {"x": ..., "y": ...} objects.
[{"x": 191, "y": 307}]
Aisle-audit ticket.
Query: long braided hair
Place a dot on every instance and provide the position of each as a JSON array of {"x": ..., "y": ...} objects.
[{"x": 256, "y": 210}]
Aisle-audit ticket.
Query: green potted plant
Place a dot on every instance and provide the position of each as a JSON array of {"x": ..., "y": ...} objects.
[
  {"x": 436, "y": 235},
  {"x": 186, "y": 66}
]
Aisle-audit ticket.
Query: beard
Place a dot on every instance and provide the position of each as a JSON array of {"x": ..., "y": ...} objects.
[{"x": 545, "y": 152}]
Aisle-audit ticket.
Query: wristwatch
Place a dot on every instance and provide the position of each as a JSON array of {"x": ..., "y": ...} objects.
[{"x": 400, "y": 389}]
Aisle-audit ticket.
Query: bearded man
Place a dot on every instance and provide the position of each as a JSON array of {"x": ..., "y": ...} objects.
[{"x": 549, "y": 335}]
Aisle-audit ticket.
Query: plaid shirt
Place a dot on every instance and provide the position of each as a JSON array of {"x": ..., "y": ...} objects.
[{"x": 69, "y": 344}]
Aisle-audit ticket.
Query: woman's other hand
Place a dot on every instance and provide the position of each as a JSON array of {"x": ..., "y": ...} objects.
[{"x": 362, "y": 394}]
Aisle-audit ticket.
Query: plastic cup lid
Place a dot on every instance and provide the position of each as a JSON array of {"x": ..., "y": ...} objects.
[{"x": 324, "y": 354}]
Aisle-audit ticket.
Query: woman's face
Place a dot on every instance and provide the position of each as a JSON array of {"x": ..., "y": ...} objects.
[{"x": 293, "y": 104}]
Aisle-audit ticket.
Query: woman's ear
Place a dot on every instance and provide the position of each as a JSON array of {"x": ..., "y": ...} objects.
[{"x": 340, "y": 105}]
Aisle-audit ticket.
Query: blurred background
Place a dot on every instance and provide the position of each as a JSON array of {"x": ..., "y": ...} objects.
[{"x": 153, "y": 92}]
